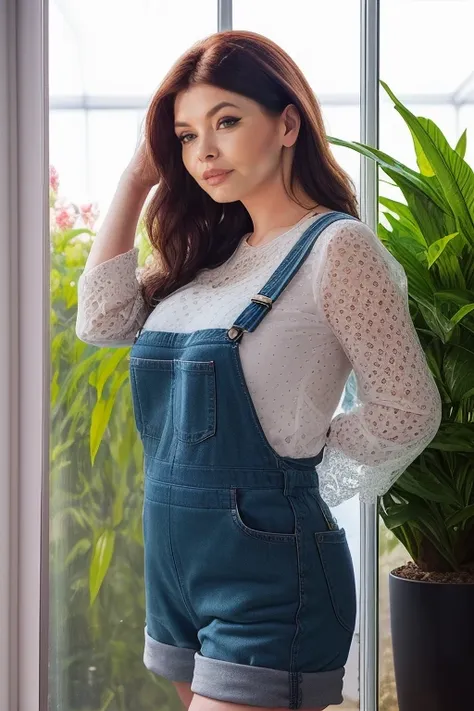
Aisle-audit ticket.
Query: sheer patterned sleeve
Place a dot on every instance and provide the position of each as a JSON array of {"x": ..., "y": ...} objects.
[
  {"x": 361, "y": 290},
  {"x": 110, "y": 306}
]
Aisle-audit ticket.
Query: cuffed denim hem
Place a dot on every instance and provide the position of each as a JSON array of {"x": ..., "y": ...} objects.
[
  {"x": 168, "y": 661},
  {"x": 259, "y": 686}
]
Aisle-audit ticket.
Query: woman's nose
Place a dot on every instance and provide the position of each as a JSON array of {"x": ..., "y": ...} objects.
[{"x": 207, "y": 150}]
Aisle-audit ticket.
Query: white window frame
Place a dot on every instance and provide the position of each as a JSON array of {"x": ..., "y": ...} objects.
[
  {"x": 25, "y": 352},
  {"x": 369, "y": 531}
]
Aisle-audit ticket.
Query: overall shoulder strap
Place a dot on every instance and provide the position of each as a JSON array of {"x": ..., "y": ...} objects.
[{"x": 262, "y": 302}]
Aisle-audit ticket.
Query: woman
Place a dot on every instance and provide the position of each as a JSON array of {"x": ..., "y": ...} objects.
[{"x": 265, "y": 291}]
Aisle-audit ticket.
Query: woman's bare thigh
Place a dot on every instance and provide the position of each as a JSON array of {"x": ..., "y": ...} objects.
[
  {"x": 184, "y": 692},
  {"x": 203, "y": 703}
]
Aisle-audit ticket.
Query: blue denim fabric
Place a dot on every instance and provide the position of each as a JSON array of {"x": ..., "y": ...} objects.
[{"x": 249, "y": 581}]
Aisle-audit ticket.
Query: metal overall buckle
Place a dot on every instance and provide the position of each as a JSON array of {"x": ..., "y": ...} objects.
[
  {"x": 235, "y": 332},
  {"x": 262, "y": 299}
]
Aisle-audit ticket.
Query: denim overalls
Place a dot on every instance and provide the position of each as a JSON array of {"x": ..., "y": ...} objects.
[{"x": 249, "y": 581}]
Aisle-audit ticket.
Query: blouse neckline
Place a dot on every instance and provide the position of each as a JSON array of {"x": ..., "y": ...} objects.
[{"x": 260, "y": 247}]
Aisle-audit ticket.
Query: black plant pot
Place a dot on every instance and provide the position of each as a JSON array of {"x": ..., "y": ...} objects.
[{"x": 433, "y": 644}]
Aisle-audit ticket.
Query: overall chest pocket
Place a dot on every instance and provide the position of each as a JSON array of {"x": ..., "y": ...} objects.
[
  {"x": 194, "y": 400},
  {"x": 151, "y": 381}
]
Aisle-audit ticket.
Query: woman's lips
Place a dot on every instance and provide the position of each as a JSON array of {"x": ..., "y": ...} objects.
[{"x": 218, "y": 179}]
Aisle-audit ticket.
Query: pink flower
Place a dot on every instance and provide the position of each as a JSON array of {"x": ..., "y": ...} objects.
[
  {"x": 53, "y": 178},
  {"x": 89, "y": 213},
  {"x": 65, "y": 220},
  {"x": 63, "y": 215}
]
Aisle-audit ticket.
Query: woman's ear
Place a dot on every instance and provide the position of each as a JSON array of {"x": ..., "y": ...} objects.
[{"x": 291, "y": 122}]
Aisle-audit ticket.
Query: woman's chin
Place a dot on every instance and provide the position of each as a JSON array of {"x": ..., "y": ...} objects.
[{"x": 223, "y": 196}]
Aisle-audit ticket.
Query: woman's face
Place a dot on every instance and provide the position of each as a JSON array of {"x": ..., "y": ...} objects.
[{"x": 240, "y": 138}]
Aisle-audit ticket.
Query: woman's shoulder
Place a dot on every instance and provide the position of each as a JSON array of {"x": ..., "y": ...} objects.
[
  {"x": 349, "y": 233},
  {"x": 350, "y": 243}
]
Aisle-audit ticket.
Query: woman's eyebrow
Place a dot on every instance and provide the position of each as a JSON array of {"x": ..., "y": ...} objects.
[{"x": 210, "y": 113}]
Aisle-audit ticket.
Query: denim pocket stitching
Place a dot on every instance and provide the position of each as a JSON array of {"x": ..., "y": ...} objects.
[
  {"x": 200, "y": 368},
  {"x": 151, "y": 363},
  {"x": 337, "y": 537},
  {"x": 148, "y": 364},
  {"x": 325, "y": 511},
  {"x": 134, "y": 387},
  {"x": 252, "y": 532}
]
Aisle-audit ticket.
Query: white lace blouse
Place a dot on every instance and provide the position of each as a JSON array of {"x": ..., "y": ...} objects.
[{"x": 345, "y": 309}]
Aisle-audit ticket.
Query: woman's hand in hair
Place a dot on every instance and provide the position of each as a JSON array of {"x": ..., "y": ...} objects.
[{"x": 141, "y": 169}]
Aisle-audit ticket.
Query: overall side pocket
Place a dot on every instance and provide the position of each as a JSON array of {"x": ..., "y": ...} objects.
[
  {"x": 336, "y": 561},
  {"x": 263, "y": 514}
]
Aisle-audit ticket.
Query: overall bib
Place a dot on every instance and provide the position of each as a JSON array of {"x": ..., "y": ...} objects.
[{"x": 249, "y": 581}]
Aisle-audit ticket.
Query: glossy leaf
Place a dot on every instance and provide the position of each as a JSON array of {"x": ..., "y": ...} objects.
[
  {"x": 101, "y": 558},
  {"x": 454, "y": 174},
  {"x": 462, "y": 144}
]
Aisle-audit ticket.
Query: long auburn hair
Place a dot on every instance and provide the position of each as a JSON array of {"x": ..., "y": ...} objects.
[{"x": 187, "y": 229}]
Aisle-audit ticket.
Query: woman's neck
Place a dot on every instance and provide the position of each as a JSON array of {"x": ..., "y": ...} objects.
[{"x": 252, "y": 241}]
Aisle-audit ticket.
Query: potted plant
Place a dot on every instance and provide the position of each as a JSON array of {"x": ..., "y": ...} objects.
[{"x": 430, "y": 508}]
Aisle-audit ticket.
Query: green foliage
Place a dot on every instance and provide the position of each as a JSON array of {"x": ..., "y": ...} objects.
[
  {"x": 430, "y": 508},
  {"x": 96, "y": 489}
]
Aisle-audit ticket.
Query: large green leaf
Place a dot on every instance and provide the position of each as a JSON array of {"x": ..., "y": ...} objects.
[
  {"x": 454, "y": 174},
  {"x": 423, "y": 163},
  {"x": 433, "y": 224},
  {"x": 468, "y": 267},
  {"x": 101, "y": 413},
  {"x": 459, "y": 315},
  {"x": 404, "y": 230},
  {"x": 121, "y": 491},
  {"x": 419, "y": 514},
  {"x": 461, "y": 516},
  {"x": 82, "y": 546},
  {"x": 427, "y": 485},
  {"x": 393, "y": 167},
  {"x": 101, "y": 558},
  {"x": 420, "y": 283},
  {"x": 108, "y": 364},
  {"x": 454, "y": 437},
  {"x": 462, "y": 144},
  {"x": 411, "y": 255},
  {"x": 458, "y": 371},
  {"x": 405, "y": 219},
  {"x": 436, "y": 249},
  {"x": 399, "y": 514},
  {"x": 428, "y": 215},
  {"x": 459, "y": 297}
]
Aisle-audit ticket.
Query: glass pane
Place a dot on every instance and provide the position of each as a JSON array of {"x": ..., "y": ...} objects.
[
  {"x": 121, "y": 48},
  {"x": 334, "y": 76},
  {"x": 436, "y": 84},
  {"x": 106, "y": 59},
  {"x": 409, "y": 28},
  {"x": 308, "y": 34}
]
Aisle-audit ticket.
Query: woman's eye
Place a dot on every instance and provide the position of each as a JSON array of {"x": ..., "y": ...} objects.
[
  {"x": 235, "y": 120},
  {"x": 183, "y": 137}
]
